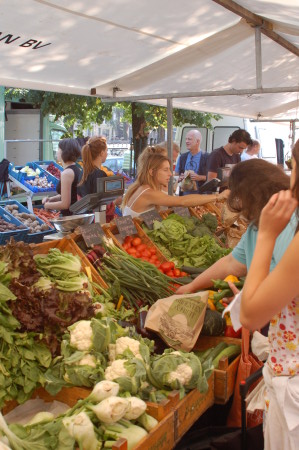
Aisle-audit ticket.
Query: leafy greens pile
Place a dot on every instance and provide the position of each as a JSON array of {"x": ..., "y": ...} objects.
[
  {"x": 45, "y": 304},
  {"x": 188, "y": 241}
]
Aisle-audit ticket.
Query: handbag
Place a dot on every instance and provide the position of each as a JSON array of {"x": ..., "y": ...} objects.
[{"x": 248, "y": 365}]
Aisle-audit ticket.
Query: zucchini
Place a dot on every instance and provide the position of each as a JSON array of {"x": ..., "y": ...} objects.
[
  {"x": 193, "y": 270},
  {"x": 183, "y": 280},
  {"x": 230, "y": 351},
  {"x": 214, "y": 324},
  {"x": 218, "y": 349},
  {"x": 205, "y": 354}
]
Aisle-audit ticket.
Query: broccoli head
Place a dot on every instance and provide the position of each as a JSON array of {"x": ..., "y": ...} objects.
[
  {"x": 201, "y": 230},
  {"x": 210, "y": 221}
]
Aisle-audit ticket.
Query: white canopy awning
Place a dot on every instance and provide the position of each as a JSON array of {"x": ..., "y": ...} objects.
[{"x": 156, "y": 48}]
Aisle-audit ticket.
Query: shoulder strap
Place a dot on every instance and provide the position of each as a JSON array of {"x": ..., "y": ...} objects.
[
  {"x": 142, "y": 192},
  {"x": 183, "y": 160}
]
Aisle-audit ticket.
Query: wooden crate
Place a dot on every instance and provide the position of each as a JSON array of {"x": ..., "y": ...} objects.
[
  {"x": 225, "y": 375},
  {"x": 111, "y": 231},
  {"x": 67, "y": 244},
  {"x": 190, "y": 408},
  {"x": 160, "y": 438}
]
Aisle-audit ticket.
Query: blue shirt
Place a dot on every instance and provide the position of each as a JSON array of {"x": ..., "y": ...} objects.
[
  {"x": 192, "y": 162},
  {"x": 244, "y": 250}
]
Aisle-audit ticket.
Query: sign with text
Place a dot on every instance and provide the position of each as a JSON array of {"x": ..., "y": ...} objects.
[
  {"x": 149, "y": 218},
  {"x": 125, "y": 225},
  {"x": 92, "y": 234},
  {"x": 181, "y": 211}
]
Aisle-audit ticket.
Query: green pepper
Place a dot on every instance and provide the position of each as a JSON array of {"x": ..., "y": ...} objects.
[{"x": 224, "y": 293}]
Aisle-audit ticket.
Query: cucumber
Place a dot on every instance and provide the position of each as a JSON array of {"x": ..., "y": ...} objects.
[
  {"x": 230, "y": 351},
  {"x": 216, "y": 350},
  {"x": 205, "y": 354},
  {"x": 183, "y": 280},
  {"x": 193, "y": 270}
]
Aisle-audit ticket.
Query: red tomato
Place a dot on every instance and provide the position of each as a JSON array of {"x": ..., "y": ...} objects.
[
  {"x": 126, "y": 246},
  {"x": 169, "y": 273},
  {"x": 177, "y": 272},
  {"x": 160, "y": 270},
  {"x": 157, "y": 264},
  {"x": 141, "y": 247},
  {"x": 184, "y": 274},
  {"x": 146, "y": 253},
  {"x": 132, "y": 251},
  {"x": 166, "y": 266},
  {"x": 136, "y": 241},
  {"x": 138, "y": 254},
  {"x": 152, "y": 250},
  {"x": 128, "y": 239},
  {"x": 172, "y": 266}
]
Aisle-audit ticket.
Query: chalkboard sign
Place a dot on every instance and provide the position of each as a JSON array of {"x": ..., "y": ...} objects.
[
  {"x": 125, "y": 225},
  {"x": 92, "y": 234},
  {"x": 149, "y": 217},
  {"x": 181, "y": 211}
]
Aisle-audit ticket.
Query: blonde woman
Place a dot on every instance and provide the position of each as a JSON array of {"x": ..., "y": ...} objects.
[{"x": 148, "y": 191}]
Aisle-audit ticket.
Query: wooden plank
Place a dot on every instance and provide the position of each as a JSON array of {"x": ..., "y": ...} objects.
[
  {"x": 190, "y": 408},
  {"x": 162, "y": 409}
]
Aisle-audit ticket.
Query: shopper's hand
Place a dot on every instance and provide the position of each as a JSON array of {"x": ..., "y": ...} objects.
[
  {"x": 45, "y": 200},
  {"x": 184, "y": 289},
  {"x": 196, "y": 177},
  {"x": 277, "y": 213}
]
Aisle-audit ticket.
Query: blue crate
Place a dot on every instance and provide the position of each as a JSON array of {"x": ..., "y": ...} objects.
[
  {"x": 23, "y": 178},
  {"x": 18, "y": 235},
  {"x": 30, "y": 238},
  {"x": 44, "y": 164}
]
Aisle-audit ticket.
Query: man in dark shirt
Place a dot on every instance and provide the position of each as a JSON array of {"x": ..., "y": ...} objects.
[{"x": 229, "y": 153}]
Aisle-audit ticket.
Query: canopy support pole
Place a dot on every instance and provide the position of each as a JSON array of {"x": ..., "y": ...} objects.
[
  {"x": 163, "y": 96},
  {"x": 170, "y": 142},
  {"x": 258, "y": 57}
]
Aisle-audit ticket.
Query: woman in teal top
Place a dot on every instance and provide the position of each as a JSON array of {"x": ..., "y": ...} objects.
[{"x": 251, "y": 185}]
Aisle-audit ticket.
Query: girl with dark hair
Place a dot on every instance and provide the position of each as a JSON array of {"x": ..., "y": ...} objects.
[
  {"x": 251, "y": 184},
  {"x": 94, "y": 154},
  {"x": 148, "y": 191},
  {"x": 274, "y": 296},
  {"x": 68, "y": 152}
]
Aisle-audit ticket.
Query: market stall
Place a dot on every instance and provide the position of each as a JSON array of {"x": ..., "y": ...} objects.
[{"x": 101, "y": 264}]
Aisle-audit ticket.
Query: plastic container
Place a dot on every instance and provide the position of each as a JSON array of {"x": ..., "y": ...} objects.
[
  {"x": 18, "y": 235},
  {"x": 35, "y": 238},
  {"x": 23, "y": 178},
  {"x": 45, "y": 164}
]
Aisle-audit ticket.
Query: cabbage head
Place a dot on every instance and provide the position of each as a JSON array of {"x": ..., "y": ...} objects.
[{"x": 170, "y": 229}]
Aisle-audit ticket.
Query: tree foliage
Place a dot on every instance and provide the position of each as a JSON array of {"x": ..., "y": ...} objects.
[{"x": 86, "y": 110}]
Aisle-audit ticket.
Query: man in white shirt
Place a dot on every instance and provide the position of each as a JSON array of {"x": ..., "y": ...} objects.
[{"x": 251, "y": 151}]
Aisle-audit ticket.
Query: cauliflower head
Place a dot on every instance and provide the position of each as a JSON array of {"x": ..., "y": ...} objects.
[
  {"x": 116, "y": 370},
  {"x": 183, "y": 374},
  {"x": 81, "y": 335}
]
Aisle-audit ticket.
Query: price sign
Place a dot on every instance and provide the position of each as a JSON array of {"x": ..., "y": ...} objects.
[
  {"x": 149, "y": 217},
  {"x": 125, "y": 225},
  {"x": 92, "y": 234},
  {"x": 181, "y": 211}
]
